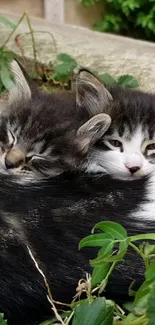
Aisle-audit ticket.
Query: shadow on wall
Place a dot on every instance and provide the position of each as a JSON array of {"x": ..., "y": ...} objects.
[{"x": 77, "y": 14}]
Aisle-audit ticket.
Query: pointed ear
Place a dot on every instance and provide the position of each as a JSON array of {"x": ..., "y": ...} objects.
[
  {"x": 92, "y": 131},
  {"x": 21, "y": 89},
  {"x": 91, "y": 93}
]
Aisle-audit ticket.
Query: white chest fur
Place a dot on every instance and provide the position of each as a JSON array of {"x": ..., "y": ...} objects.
[{"x": 146, "y": 210}]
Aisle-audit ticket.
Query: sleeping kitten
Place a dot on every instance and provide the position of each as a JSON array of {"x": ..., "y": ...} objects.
[
  {"x": 38, "y": 131},
  {"x": 42, "y": 135}
]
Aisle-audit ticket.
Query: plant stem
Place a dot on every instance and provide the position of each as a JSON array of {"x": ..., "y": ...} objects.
[
  {"x": 33, "y": 42},
  {"x": 134, "y": 247},
  {"x": 104, "y": 282},
  {"x": 139, "y": 321},
  {"x": 142, "y": 237},
  {"x": 10, "y": 35}
]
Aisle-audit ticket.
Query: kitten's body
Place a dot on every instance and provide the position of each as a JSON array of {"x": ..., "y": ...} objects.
[{"x": 51, "y": 218}]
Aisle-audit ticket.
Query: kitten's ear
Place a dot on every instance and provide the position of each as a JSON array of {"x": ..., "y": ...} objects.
[
  {"x": 21, "y": 88},
  {"x": 92, "y": 131},
  {"x": 91, "y": 93}
]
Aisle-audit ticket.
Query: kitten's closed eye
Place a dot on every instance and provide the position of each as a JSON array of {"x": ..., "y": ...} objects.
[{"x": 12, "y": 139}]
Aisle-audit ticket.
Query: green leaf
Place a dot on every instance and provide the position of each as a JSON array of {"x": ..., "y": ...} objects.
[
  {"x": 107, "y": 79},
  {"x": 66, "y": 58},
  {"x": 123, "y": 246},
  {"x": 112, "y": 228},
  {"x": 62, "y": 69},
  {"x": 99, "y": 312},
  {"x": 107, "y": 258},
  {"x": 142, "y": 237},
  {"x": 148, "y": 249},
  {"x": 2, "y": 321},
  {"x": 8, "y": 56},
  {"x": 1, "y": 86},
  {"x": 150, "y": 272},
  {"x": 5, "y": 77},
  {"x": 150, "y": 312},
  {"x": 65, "y": 68},
  {"x": 99, "y": 273},
  {"x": 95, "y": 240},
  {"x": 128, "y": 81},
  {"x": 145, "y": 296},
  {"x": 7, "y": 22}
]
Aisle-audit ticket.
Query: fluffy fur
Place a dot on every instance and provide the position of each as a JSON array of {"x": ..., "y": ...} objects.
[
  {"x": 51, "y": 218},
  {"x": 127, "y": 149},
  {"x": 93, "y": 128},
  {"x": 42, "y": 135}
]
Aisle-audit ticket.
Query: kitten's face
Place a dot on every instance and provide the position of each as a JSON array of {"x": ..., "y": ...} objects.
[
  {"x": 24, "y": 148},
  {"x": 128, "y": 156},
  {"x": 29, "y": 128},
  {"x": 42, "y": 135},
  {"x": 127, "y": 150}
]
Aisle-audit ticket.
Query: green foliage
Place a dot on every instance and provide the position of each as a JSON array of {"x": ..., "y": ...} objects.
[
  {"x": 97, "y": 312},
  {"x": 135, "y": 18},
  {"x": 87, "y": 3},
  {"x": 113, "y": 250},
  {"x": 60, "y": 73},
  {"x": 2, "y": 320},
  {"x": 5, "y": 59},
  {"x": 114, "y": 242},
  {"x": 124, "y": 80},
  {"x": 63, "y": 69},
  {"x": 7, "y": 22}
]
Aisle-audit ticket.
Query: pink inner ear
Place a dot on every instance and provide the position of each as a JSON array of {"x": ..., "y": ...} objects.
[{"x": 98, "y": 82}]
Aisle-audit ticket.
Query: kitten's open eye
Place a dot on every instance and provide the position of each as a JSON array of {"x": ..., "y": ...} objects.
[
  {"x": 115, "y": 143},
  {"x": 150, "y": 147}
]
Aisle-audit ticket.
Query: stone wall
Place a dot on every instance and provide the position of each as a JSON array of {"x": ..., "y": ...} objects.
[
  {"x": 74, "y": 13},
  {"x": 101, "y": 52},
  {"x": 77, "y": 14},
  {"x": 33, "y": 7}
]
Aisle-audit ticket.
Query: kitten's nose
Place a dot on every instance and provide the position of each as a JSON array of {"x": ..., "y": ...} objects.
[
  {"x": 14, "y": 158},
  {"x": 133, "y": 169}
]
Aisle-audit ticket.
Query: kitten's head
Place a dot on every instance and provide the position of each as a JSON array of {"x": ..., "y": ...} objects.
[
  {"x": 38, "y": 131},
  {"x": 42, "y": 135},
  {"x": 127, "y": 149}
]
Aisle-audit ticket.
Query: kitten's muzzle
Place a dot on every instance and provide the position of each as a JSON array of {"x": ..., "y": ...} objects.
[{"x": 14, "y": 158}]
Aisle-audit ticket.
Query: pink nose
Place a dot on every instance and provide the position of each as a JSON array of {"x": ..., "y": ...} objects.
[{"x": 133, "y": 169}]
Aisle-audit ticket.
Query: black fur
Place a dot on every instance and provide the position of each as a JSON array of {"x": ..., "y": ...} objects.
[{"x": 51, "y": 218}]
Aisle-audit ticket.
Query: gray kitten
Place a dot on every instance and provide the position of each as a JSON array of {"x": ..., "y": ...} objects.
[{"x": 42, "y": 135}]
